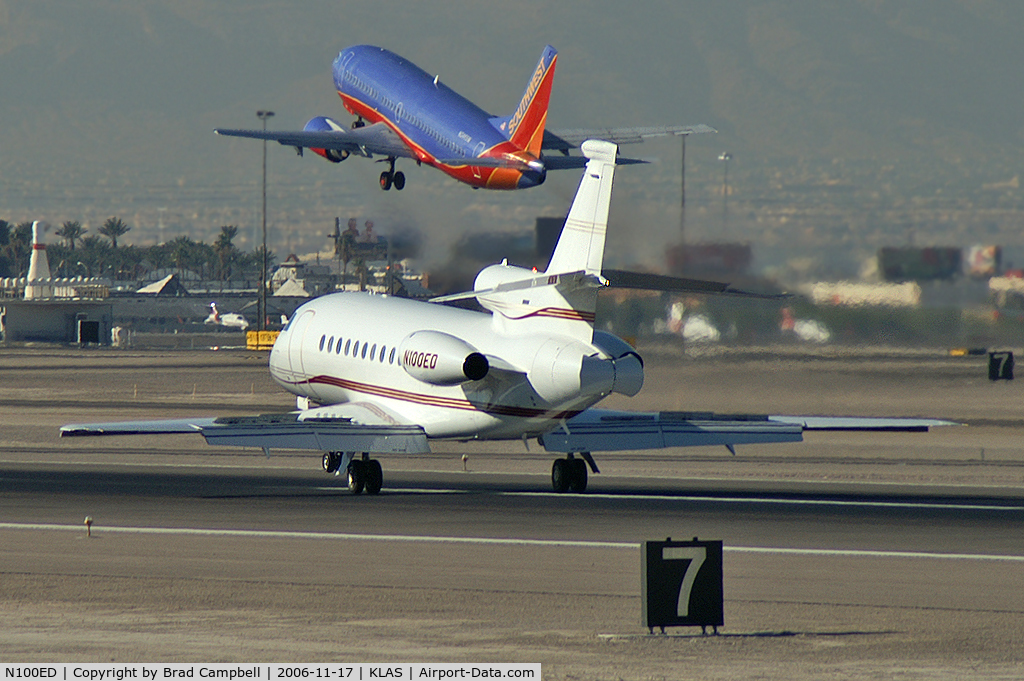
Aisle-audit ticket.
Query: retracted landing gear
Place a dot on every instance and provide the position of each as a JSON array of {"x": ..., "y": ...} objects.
[
  {"x": 363, "y": 473},
  {"x": 570, "y": 474},
  {"x": 390, "y": 178}
]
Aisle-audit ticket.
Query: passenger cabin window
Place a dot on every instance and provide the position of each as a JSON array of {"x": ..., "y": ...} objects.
[
  {"x": 322, "y": 339},
  {"x": 383, "y": 349},
  {"x": 348, "y": 344},
  {"x": 373, "y": 352},
  {"x": 355, "y": 349},
  {"x": 391, "y": 357},
  {"x": 330, "y": 344},
  {"x": 337, "y": 348},
  {"x": 365, "y": 347}
]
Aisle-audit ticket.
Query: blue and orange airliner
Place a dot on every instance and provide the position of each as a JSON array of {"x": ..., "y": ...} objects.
[{"x": 404, "y": 112}]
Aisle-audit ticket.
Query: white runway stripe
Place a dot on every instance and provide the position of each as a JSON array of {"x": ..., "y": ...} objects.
[
  {"x": 946, "y": 506},
  {"x": 274, "y": 534}
]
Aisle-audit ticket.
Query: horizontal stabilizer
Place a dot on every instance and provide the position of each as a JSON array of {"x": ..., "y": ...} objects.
[
  {"x": 566, "y": 139},
  {"x": 574, "y": 280},
  {"x": 661, "y": 282},
  {"x": 574, "y": 162}
]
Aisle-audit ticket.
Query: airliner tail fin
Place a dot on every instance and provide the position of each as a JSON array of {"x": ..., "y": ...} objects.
[{"x": 525, "y": 127}]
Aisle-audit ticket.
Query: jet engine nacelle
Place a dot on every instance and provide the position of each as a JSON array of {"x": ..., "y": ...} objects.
[
  {"x": 441, "y": 359},
  {"x": 629, "y": 366},
  {"x": 325, "y": 124},
  {"x": 564, "y": 369}
]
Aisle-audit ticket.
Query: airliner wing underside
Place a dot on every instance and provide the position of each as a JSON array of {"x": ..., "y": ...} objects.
[
  {"x": 373, "y": 139},
  {"x": 571, "y": 138},
  {"x": 597, "y": 430}
]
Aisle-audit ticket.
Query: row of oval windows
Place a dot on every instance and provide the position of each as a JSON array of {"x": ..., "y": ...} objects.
[{"x": 338, "y": 348}]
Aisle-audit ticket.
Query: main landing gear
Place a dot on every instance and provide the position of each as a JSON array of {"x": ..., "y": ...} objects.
[
  {"x": 363, "y": 473},
  {"x": 570, "y": 474},
  {"x": 390, "y": 178}
]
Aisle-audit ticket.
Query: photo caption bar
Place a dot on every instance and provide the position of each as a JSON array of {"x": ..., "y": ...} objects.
[{"x": 155, "y": 671}]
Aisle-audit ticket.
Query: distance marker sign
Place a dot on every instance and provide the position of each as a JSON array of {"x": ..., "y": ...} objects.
[{"x": 681, "y": 584}]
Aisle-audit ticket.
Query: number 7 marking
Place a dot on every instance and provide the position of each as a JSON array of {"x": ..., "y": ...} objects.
[{"x": 696, "y": 555}]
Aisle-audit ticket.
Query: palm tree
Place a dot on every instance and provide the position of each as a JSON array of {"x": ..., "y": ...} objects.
[
  {"x": 113, "y": 228},
  {"x": 5, "y": 240},
  {"x": 95, "y": 255},
  {"x": 72, "y": 231},
  {"x": 225, "y": 250},
  {"x": 17, "y": 247}
]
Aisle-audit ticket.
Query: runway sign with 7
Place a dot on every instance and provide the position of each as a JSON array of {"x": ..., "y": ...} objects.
[{"x": 681, "y": 584}]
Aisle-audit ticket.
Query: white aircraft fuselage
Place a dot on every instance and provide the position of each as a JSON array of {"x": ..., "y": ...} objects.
[{"x": 408, "y": 358}]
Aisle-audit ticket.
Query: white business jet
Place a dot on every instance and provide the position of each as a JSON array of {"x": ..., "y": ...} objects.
[
  {"x": 378, "y": 374},
  {"x": 232, "y": 319}
]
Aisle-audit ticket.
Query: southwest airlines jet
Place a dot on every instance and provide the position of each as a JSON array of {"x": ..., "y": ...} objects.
[
  {"x": 403, "y": 112},
  {"x": 379, "y": 374}
]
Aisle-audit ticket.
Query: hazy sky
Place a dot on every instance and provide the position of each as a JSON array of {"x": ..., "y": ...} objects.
[{"x": 109, "y": 105}]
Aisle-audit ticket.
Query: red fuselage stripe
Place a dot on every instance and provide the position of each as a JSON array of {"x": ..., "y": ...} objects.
[{"x": 441, "y": 402}]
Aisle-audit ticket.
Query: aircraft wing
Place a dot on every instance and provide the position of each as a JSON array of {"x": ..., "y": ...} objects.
[
  {"x": 604, "y": 430},
  {"x": 572, "y": 138},
  {"x": 313, "y": 429},
  {"x": 373, "y": 139}
]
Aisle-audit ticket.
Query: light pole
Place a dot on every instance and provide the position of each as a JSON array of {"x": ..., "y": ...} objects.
[
  {"x": 261, "y": 306},
  {"x": 725, "y": 157},
  {"x": 682, "y": 202}
]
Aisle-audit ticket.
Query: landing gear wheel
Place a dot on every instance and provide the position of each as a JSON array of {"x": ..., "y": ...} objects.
[
  {"x": 385, "y": 180},
  {"x": 399, "y": 181},
  {"x": 577, "y": 475},
  {"x": 374, "y": 476},
  {"x": 560, "y": 475},
  {"x": 358, "y": 124},
  {"x": 356, "y": 476},
  {"x": 332, "y": 460}
]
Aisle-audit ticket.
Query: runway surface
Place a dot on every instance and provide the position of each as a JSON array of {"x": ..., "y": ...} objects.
[{"x": 846, "y": 556}]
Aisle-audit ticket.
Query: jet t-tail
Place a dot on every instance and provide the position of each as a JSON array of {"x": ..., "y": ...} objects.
[
  {"x": 376, "y": 374},
  {"x": 404, "y": 112}
]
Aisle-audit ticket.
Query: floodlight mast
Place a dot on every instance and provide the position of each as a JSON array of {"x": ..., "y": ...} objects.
[{"x": 261, "y": 323}]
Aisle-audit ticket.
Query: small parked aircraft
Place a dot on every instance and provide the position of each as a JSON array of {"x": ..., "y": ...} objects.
[{"x": 232, "y": 319}]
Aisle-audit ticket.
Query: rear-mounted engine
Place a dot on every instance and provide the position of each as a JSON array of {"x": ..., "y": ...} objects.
[{"x": 441, "y": 359}]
